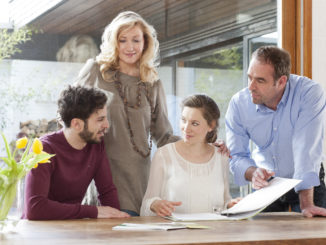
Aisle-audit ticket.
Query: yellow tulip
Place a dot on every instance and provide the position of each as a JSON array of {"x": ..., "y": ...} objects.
[
  {"x": 37, "y": 146},
  {"x": 21, "y": 143},
  {"x": 36, "y": 165}
]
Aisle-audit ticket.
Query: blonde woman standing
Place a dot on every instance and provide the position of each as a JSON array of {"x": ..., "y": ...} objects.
[{"x": 126, "y": 67}]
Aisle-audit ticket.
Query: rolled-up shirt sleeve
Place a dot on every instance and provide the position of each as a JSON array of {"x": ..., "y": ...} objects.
[{"x": 308, "y": 137}]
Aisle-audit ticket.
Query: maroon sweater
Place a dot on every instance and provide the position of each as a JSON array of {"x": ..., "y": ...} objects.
[{"x": 55, "y": 190}]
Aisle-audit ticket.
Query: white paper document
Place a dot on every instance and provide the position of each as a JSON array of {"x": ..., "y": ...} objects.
[
  {"x": 156, "y": 226},
  {"x": 249, "y": 206},
  {"x": 198, "y": 217}
]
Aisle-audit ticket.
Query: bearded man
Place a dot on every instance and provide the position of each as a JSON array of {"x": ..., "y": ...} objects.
[{"x": 55, "y": 191}]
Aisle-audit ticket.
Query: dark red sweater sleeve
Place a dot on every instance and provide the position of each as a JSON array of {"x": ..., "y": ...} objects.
[
  {"x": 55, "y": 190},
  {"x": 39, "y": 207},
  {"x": 38, "y": 203},
  {"x": 108, "y": 194}
]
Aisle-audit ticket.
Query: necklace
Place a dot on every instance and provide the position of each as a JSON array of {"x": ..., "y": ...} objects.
[{"x": 126, "y": 104}]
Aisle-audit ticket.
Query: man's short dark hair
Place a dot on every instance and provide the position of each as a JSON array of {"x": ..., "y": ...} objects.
[
  {"x": 279, "y": 58},
  {"x": 80, "y": 102}
]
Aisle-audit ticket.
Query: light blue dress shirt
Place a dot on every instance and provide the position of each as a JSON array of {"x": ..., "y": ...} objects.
[{"x": 288, "y": 141}]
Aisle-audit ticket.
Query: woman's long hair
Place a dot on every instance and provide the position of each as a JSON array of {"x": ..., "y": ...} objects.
[{"x": 109, "y": 56}]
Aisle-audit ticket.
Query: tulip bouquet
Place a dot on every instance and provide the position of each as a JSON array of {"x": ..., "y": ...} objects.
[{"x": 11, "y": 171}]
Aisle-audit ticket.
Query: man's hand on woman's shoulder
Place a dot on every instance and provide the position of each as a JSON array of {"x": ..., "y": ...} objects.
[{"x": 222, "y": 148}]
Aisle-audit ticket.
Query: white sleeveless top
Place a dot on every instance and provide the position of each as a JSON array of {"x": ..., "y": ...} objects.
[{"x": 199, "y": 186}]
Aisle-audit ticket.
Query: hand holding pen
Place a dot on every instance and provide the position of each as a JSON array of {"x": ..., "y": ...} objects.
[{"x": 259, "y": 176}]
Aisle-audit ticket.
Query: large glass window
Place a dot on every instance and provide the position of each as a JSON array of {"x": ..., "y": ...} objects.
[
  {"x": 217, "y": 73},
  {"x": 205, "y": 48}
]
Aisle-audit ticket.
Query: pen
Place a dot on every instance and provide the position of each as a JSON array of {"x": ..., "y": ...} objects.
[{"x": 270, "y": 178}]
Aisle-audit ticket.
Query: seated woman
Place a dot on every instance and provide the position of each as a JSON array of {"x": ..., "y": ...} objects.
[{"x": 190, "y": 175}]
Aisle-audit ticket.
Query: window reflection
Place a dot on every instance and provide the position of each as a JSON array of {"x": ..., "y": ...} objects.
[
  {"x": 205, "y": 48},
  {"x": 217, "y": 73}
]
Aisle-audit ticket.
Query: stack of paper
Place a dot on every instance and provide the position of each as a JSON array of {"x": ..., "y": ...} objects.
[{"x": 198, "y": 216}]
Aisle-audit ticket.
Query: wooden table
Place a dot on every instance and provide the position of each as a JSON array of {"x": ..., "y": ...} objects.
[{"x": 268, "y": 228}]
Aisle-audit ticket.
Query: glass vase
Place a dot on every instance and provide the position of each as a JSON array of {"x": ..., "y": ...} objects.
[{"x": 11, "y": 206}]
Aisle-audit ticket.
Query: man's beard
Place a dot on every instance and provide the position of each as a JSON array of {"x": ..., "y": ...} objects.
[{"x": 88, "y": 136}]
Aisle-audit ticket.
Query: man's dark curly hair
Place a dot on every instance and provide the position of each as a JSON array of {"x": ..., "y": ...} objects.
[{"x": 80, "y": 102}]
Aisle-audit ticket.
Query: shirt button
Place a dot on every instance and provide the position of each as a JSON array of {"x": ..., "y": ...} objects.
[{"x": 274, "y": 129}]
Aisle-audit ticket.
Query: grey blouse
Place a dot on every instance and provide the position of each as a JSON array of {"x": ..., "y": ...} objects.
[{"x": 130, "y": 170}]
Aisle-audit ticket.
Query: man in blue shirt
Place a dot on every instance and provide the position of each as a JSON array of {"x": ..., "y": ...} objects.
[{"x": 284, "y": 116}]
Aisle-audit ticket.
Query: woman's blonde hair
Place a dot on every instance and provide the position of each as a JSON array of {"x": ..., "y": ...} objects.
[{"x": 109, "y": 56}]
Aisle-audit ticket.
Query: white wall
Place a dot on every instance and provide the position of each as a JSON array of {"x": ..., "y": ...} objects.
[
  {"x": 318, "y": 45},
  {"x": 319, "y": 41},
  {"x": 44, "y": 80}
]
